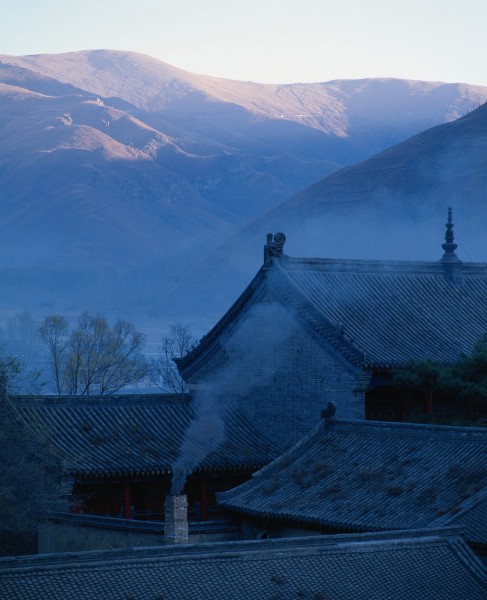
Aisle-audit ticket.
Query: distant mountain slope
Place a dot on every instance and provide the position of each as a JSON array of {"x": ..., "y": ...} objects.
[
  {"x": 73, "y": 188},
  {"x": 118, "y": 171},
  {"x": 339, "y": 107},
  {"x": 412, "y": 182},
  {"x": 392, "y": 205}
]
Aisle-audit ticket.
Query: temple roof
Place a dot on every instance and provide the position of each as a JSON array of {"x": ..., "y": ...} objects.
[
  {"x": 121, "y": 435},
  {"x": 375, "y": 313},
  {"x": 400, "y": 565},
  {"x": 389, "y": 312},
  {"x": 366, "y": 475}
]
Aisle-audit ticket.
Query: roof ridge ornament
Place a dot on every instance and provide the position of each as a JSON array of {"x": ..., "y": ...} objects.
[
  {"x": 328, "y": 414},
  {"x": 450, "y": 259},
  {"x": 449, "y": 246},
  {"x": 274, "y": 247}
]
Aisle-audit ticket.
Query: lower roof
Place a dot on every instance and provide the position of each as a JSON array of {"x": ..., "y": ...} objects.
[
  {"x": 400, "y": 565},
  {"x": 142, "y": 434},
  {"x": 368, "y": 475}
]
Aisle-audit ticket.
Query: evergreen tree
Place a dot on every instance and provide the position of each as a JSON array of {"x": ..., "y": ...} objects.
[
  {"x": 462, "y": 384},
  {"x": 29, "y": 472}
]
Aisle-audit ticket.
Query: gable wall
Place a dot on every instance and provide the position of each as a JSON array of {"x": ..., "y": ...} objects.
[{"x": 279, "y": 372}]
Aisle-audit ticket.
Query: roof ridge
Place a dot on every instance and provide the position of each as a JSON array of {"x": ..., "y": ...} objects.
[
  {"x": 393, "y": 267},
  {"x": 100, "y": 400},
  {"x": 220, "y": 325},
  {"x": 384, "y": 425}
]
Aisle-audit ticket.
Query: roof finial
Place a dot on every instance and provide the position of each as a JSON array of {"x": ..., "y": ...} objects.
[
  {"x": 328, "y": 414},
  {"x": 273, "y": 248},
  {"x": 449, "y": 246}
]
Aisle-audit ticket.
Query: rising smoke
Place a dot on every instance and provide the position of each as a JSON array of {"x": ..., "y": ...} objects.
[
  {"x": 204, "y": 434},
  {"x": 250, "y": 362}
]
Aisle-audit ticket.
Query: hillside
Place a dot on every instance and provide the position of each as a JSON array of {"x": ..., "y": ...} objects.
[
  {"x": 119, "y": 171},
  {"x": 392, "y": 205}
]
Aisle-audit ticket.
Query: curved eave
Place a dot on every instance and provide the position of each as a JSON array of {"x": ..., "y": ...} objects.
[
  {"x": 381, "y": 365},
  {"x": 114, "y": 473},
  {"x": 300, "y": 520},
  {"x": 399, "y": 364}
]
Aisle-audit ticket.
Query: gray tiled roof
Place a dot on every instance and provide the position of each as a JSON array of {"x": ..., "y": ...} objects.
[
  {"x": 366, "y": 475},
  {"x": 390, "y": 312},
  {"x": 136, "y": 434},
  {"x": 376, "y": 313},
  {"x": 425, "y": 564}
]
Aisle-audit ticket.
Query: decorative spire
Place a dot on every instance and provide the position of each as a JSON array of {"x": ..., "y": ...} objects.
[
  {"x": 452, "y": 265},
  {"x": 449, "y": 246}
]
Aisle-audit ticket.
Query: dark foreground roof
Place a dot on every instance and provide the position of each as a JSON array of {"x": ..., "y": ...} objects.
[
  {"x": 426, "y": 564},
  {"x": 375, "y": 313},
  {"x": 136, "y": 435},
  {"x": 366, "y": 475}
]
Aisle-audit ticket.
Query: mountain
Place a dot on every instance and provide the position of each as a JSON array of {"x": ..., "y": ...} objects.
[
  {"x": 392, "y": 205},
  {"x": 117, "y": 170}
]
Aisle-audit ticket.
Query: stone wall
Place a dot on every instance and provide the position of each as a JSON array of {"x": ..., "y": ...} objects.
[
  {"x": 75, "y": 533},
  {"x": 281, "y": 373}
]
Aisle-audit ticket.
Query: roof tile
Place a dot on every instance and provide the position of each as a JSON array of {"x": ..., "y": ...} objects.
[
  {"x": 421, "y": 564},
  {"x": 367, "y": 475},
  {"x": 136, "y": 434}
]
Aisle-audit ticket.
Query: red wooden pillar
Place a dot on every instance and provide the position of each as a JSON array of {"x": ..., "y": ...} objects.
[
  {"x": 127, "y": 501},
  {"x": 204, "y": 499}
]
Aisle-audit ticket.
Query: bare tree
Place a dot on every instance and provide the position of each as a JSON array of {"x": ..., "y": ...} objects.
[
  {"x": 54, "y": 333},
  {"x": 94, "y": 358},
  {"x": 163, "y": 370},
  {"x": 122, "y": 358}
]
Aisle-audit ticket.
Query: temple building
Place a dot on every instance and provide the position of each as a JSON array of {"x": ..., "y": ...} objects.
[
  {"x": 305, "y": 334},
  {"x": 307, "y": 331},
  {"x": 119, "y": 453}
]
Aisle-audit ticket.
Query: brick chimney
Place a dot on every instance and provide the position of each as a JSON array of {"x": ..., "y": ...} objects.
[{"x": 176, "y": 523}]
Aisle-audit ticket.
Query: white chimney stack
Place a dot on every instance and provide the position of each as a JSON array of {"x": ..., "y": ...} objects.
[{"x": 176, "y": 523}]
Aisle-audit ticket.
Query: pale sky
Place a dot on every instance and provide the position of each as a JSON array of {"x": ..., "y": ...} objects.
[{"x": 269, "y": 41}]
